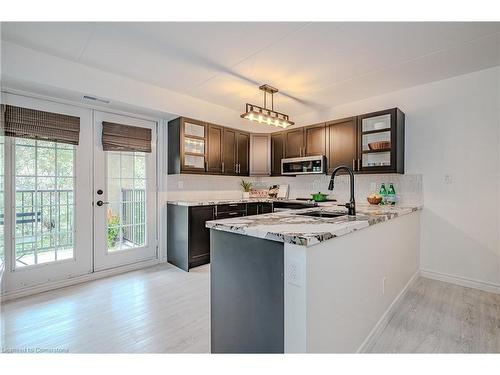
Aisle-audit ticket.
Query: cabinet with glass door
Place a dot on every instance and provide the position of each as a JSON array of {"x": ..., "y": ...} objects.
[{"x": 381, "y": 142}]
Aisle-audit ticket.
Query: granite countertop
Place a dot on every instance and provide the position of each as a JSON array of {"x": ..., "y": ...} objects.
[
  {"x": 288, "y": 227},
  {"x": 213, "y": 202}
]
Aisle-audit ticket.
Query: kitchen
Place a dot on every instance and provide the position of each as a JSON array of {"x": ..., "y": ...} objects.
[{"x": 236, "y": 203}]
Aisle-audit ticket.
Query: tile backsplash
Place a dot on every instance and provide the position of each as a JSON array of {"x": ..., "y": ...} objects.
[{"x": 193, "y": 187}]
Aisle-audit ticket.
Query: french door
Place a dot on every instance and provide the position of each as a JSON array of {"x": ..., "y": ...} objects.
[
  {"x": 69, "y": 210},
  {"x": 47, "y": 214},
  {"x": 124, "y": 199}
]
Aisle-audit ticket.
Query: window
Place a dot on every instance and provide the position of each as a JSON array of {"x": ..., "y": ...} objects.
[
  {"x": 126, "y": 188},
  {"x": 44, "y": 181}
]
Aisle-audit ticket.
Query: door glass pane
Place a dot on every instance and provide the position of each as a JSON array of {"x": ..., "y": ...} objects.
[
  {"x": 194, "y": 161},
  {"x": 377, "y": 159},
  {"x": 126, "y": 189},
  {"x": 194, "y": 130},
  {"x": 376, "y": 123},
  {"x": 196, "y": 146},
  {"x": 376, "y": 141},
  {"x": 44, "y": 178}
]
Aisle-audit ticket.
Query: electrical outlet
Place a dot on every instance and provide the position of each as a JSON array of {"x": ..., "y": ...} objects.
[
  {"x": 448, "y": 179},
  {"x": 180, "y": 184},
  {"x": 383, "y": 284}
]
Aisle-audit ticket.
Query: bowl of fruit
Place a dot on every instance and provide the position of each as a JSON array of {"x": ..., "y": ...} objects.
[{"x": 374, "y": 199}]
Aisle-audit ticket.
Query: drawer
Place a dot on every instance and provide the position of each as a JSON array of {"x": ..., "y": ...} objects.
[
  {"x": 228, "y": 215},
  {"x": 231, "y": 207}
]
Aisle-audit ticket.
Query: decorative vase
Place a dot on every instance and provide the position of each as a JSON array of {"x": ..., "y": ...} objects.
[{"x": 246, "y": 194}]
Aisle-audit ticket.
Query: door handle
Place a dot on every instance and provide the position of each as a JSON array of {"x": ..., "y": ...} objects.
[
  {"x": 359, "y": 164},
  {"x": 222, "y": 167},
  {"x": 353, "y": 164},
  {"x": 100, "y": 203}
]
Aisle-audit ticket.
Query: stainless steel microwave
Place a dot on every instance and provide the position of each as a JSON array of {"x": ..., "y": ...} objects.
[{"x": 304, "y": 165}]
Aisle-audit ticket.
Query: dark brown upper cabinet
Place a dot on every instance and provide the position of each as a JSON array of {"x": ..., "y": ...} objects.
[
  {"x": 315, "y": 140},
  {"x": 229, "y": 151},
  {"x": 214, "y": 154},
  {"x": 381, "y": 142},
  {"x": 187, "y": 150},
  {"x": 277, "y": 152},
  {"x": 236, "y": 152},
  {"x": 197, "y": 147},
  {"x": 243, "y": 153},
  {"x": 294, "y": 143},
  {"x": 342, "y": 136}
]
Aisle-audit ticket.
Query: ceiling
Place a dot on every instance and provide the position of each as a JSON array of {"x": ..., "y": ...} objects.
[{"x": 315, "y": 65}]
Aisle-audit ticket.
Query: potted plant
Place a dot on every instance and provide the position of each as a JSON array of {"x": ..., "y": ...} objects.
[{"x": 247, "y": 187}]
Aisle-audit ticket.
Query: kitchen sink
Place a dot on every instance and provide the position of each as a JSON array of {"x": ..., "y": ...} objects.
[{"x": 322, "y": 214}]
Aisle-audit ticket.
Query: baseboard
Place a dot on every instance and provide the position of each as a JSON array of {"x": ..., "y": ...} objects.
[
  {"x": 7, "y": 296},
  {"x": 386, "y": 317},
  {"x": 462, "y": 281}
]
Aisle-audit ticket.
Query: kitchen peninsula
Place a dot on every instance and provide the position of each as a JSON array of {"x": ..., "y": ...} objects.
[{"x": 311, "y": 280}]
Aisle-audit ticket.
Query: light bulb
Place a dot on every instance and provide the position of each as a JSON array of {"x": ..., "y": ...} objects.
[{"x": 251, "y": 117}]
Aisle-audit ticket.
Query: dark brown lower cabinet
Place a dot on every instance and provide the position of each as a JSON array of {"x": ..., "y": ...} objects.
[
  {"x": 188, "y": 239},
  {"x": 259, "y": 208}
]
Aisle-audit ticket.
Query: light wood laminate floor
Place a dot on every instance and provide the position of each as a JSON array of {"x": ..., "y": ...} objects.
[
  {"x": 165, "y": 310},
  {"x": 438, "y": 317},
  {"x": 155, "y": 310}
]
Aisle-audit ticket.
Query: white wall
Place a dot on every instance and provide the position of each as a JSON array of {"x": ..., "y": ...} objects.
[
  {"x": 452, "y": 129},
  {"x": 37, "y": 72}
]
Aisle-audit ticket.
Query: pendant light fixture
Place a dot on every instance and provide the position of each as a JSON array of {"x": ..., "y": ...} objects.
[{"x": 264, "y": 115}]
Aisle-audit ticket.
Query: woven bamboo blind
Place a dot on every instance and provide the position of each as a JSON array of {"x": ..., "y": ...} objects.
[
  {"x": 118, "y": 137},
  {"x": 31, "y": 123}
]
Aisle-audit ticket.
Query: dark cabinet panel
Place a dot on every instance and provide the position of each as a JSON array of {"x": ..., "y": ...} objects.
[
  {"x": 265, "y": 208},
  {"x": 230, "y": 207},
  {"x": 381, "y": 142},
  {"x": 214, "y": 158},
  {"x": 188, "y": 240},
  {"x": 277, "y": 152},
  {"x": 252, "y": 209},
  {"x": 259, "y": 208},
  {"x": 294, "y": 143},
  {"x": 199, "y": 235},
  {"x": 229, "y": 151},
  {"x": 243, "y": 153},
  {"x": 315, "y": 143},
  {"x": 342, "y": 143}
]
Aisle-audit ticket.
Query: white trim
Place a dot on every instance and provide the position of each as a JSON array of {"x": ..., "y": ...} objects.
[
  {"x": 386, "y": 317},
  {"x": 75, "y": 103},
  {"x": 75, "y": 280},
  {"x": 462, "y": 281}
]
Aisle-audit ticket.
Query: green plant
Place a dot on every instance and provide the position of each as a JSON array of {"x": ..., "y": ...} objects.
[
  {"x": 246, "y": 185},
  {"x": 113, "y": 229}
]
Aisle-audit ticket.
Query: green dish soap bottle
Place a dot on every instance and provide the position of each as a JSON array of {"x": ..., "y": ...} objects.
[
  {"x": 391, "y": 195},
  {"x": 383, "y": 194}
]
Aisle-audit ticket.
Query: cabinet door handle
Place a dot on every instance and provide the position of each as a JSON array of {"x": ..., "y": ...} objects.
[
  {"x": 353, "y": 164},
  {"x": 222, "y": 167},
  {"x": 206, "y": 166},
  {"x": 359, "y": 164},
  {"x": 238, "y": 167}
]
